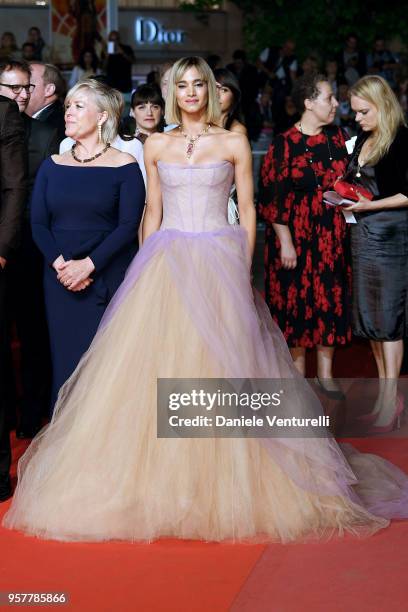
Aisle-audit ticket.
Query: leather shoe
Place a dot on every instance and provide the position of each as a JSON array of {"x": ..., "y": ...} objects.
[{"x": 5, "y": 488}]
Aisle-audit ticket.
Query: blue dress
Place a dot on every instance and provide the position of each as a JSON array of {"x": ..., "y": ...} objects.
[{"x": 78, "y": 212}]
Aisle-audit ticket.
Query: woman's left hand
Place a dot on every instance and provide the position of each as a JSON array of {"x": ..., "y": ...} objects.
[
  {"x": 362, "y": 205},
  {"x": 73, "y": 272}
]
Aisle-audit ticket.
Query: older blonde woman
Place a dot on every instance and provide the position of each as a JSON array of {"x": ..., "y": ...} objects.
[
  {"x": 86, "y": 209},
  {"x": 380, "y": 238}
]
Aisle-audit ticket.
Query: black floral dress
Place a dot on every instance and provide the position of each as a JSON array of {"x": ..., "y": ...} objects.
[{"x": 312, "y": 303}]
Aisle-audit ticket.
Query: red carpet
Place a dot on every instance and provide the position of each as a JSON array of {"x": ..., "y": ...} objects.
[
  {"x": 341, "y": 575},
  {"x": 366, "y": 575}
]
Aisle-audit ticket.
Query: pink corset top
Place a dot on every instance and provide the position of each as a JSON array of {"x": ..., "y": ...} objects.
[{"x": 195, "y": 197}]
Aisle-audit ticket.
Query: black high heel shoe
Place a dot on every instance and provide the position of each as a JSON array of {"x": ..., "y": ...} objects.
[{"x": 331, "y": 393}]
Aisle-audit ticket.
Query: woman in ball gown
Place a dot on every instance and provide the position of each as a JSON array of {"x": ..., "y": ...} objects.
[{"x": 186, "y": 309}]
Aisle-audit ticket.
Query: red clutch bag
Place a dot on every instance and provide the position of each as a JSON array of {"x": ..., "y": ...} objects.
[{"x": 351, "y": 192}]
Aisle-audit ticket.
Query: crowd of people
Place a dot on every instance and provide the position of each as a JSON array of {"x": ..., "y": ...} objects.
[
  {"x": 269, "y": 82},
  {"x": 34, "y": 48},
  {"x": 98, "y": 325}
]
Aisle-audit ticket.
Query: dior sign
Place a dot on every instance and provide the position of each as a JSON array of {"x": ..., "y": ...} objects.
[{"x": 150, "y": 32}]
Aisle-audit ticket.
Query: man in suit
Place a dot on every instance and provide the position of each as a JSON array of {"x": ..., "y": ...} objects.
[
  {"x": 12, "y": 198},
  {"x": 45, "y": 99},
  {"x": 25, "y": 277}
]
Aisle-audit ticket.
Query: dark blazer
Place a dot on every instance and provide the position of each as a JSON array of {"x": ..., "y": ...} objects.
[
  {"x": 42, "y": 140},
  {"x": 54, "y": 116},
  {"x": 13, "y": 175},
  {"x": 25, "y": 291},
  {"x": 391, "y": 172}
]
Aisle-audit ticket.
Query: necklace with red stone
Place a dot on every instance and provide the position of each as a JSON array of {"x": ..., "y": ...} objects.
[
  {"x": 193, "y": 139},
  {"x": 310, "y": 153}
]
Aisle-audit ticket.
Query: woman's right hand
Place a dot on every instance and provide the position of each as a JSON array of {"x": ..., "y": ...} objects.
[{"x": 288, "y": 255}]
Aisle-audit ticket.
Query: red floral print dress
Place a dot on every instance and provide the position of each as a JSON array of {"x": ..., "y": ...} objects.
[{"x": 312, "y": 303}]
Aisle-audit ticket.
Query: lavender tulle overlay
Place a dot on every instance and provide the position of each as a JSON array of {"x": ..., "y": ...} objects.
[{"x": 195, "y": 272}]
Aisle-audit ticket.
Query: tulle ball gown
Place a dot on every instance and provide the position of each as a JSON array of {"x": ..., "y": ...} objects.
[{"x": 187, "y": 309}]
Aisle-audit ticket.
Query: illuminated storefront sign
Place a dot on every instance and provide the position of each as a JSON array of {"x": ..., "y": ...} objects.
[{"x": 150, "y": 32}]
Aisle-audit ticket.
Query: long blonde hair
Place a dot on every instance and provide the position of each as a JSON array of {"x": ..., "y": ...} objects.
[
  {"x": 173, "y": 114},
  {"x": 375, "y": 90}
]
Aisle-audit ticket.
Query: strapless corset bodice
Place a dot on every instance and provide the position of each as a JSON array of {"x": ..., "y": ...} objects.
[{"x": 195, "y": 197}]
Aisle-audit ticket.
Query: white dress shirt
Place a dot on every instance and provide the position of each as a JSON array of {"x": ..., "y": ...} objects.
[{"x": 35, "y": 116}]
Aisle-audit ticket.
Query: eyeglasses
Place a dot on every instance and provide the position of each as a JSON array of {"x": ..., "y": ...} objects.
[{"x": 17, "y": 89}]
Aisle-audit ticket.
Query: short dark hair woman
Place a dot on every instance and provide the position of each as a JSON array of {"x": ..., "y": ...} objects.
[
  {"x": 146, "y": 112},
  {"x": 307, "y": 281}
]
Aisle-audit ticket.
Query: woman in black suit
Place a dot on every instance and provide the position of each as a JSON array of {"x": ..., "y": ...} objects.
[{"x": 380, "y": 238}]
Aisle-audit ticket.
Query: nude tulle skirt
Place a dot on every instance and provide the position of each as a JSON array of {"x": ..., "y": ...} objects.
[{"x": 98, "y": 471}]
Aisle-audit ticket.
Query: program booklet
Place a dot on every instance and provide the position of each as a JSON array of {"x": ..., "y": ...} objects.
[{"x": 335, "y": 199}]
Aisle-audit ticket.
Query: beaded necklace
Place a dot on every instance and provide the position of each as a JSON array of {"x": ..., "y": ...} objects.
[{"x": 86, "y": 161}]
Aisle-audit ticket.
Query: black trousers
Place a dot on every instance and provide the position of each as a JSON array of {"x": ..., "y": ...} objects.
[
  {"x": 27, "y": 311},
  {"x": 5, "y": 449}
]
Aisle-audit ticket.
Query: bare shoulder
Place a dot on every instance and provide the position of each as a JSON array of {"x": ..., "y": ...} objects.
[
  {"x": 120, "y": 158},
  {"x": 238, "y": 141},
  {"x": 237, "y": 148},
  {"x": 154, "y": 145},
  {"x": 126, "y": 158},
  {"x": 229, "y": 136},
  {"x": 218, "y": 129},
  {"x": 238, "y": 128},
  {"x": 63, "y": 158},
  {"x": 158, "y": 138}
]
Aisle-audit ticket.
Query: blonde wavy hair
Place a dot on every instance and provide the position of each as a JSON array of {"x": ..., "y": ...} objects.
[
  {"x": 375, "y": 90},
  {"x": 172, "y": 113},
  {"x": 107, "y": 100}
]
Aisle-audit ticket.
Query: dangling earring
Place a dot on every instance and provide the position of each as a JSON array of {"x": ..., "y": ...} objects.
[{"x": 99, "y": 133}]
